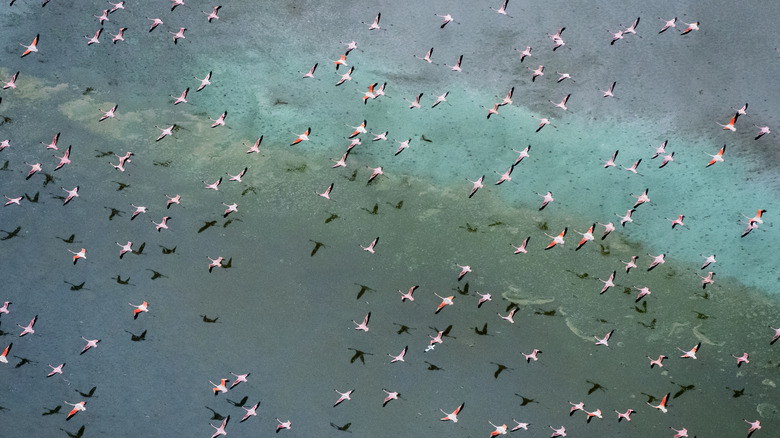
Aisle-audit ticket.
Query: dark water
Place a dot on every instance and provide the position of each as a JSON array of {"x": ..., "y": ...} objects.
[{"x": 284, "y": 312}]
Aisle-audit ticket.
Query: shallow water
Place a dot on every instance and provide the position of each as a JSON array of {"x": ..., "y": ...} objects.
[{"x": 284, "y": 312}]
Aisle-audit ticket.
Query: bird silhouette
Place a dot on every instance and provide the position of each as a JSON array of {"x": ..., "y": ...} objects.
[
  {"x": 375, "y": 210},
  {"x": 209, "y": 320},
  {"x": 155, "y": 274},
  {"x": 363, "y": 289},
  {"x": 239, "y": 403},
  {"x": 11, "y": 234},
  {"x": 317, "y": 246},
  {"x": 544, "y": 312},
  {"x": 499, "y": 370},
  {"x": 23, "y": 361},
  {"x": 31, "y": 199},
  {"x": 87, "y": 394},
  {"x": 215, "y": 415},
  {"x": 140, "y": 249},
  {"x": 342, "y": 428},
  {"x": 526, "y": 400},
  {"x": 69, "y": 239},
  {"x": 464, "y": 291},
  {"x": 595, "y": 387},
  {"x": 49, "y": 179},
  {"x": 402, "y": 329},
  {"x": 432, "y": 367},
  {"x": 445, "y": 333},
  {"x": 683, "y": 389},
  {"x": 78, "y": 434},
  {"x": 651, "y": 326},
  {"x": 114, "y": 212},
  {"x": 137, "y": 338},
  {"x": 76, "y": 286},
  {"x": 358, "y": 355},
  {"x": 207, "y": 225},
  {"x": 120, "y": 281},
  {"x": 52, "y": 411},
  {"x": 737, "y": 392}
]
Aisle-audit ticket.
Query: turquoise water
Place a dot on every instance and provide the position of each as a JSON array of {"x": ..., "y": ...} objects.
[{"x": 284, "y": 312}]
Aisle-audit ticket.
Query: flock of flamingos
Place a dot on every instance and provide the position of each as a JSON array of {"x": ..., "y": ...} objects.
[{"x": 50, "y": 170}]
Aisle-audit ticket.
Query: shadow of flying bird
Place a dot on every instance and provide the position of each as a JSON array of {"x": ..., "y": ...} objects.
[
  {"x": 114, "y": 212},
  {"x": 595, "y": 387},
  {"x": 445, "y": 333},
  {"x": 11, "y": 234},
  {"x": 87, "y": 394},
  {"x": 464, "y": 291},
  {"x": 239, "y": 403},
  {"x": 432, "y": 367},
  {"x": 78, "y": 434},
  {"x": 120, "y": 281},
  {"x": 526, "y": 400},
  {"x": 155, "y": 274},
  {"x": 342, "y": 428},
  {"x": 651, "y": 326},
  {"x": 230, "y": 221},
  {"x": 140, "y": 249},
  {"x": 23, "y": 361},
  {"x": 363, "y": 289},
  {"x": 544, "y": 312},
  {"x": 76, "y": 286},
  {"x": 317, "y": 246},
  {"x": 70, "y": 239},
  {"x": 375, "y": 210},
  {"x": 469, "y": 228},
  {"x": 358, "y": 355},
  {"x": 137, "y": 338},
  {"x": 206, "y": 226},
  {"x": 500, "y": 369},
  {"x": 52, "y": 411},
  {"x": 737, "y": 392},
  {"x": 402, "y": 329},
  {"x": 215, "y": 415},
  {"x": 683, "y": 389}
]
